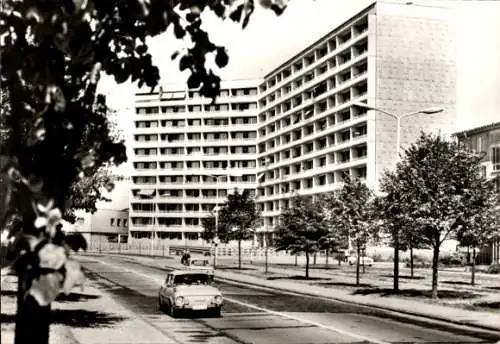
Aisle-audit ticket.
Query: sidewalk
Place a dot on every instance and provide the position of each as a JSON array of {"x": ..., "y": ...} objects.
[
  {"x": 381, "y": 278},
  {"x": 480, "y": 319},
  {"x": 90, "y": 316}
]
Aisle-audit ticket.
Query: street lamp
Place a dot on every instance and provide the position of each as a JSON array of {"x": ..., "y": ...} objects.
[
  {"x": 428, "y": 111},
  {"x": 259, "y": 178},
  {"x": 216, "y": 236}
]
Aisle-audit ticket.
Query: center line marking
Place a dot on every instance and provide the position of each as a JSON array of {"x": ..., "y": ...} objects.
[{"x": 305, "y": 321}]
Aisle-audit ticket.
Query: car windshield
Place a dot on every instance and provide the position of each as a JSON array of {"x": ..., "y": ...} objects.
[
  {"x": 199, "y": 262},
  {"x": 193, "y": 279}
]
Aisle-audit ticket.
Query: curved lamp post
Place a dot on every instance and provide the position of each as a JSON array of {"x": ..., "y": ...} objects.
[
  {"x": 216, "y": 237},
  {"x": 427, "y": 111}
]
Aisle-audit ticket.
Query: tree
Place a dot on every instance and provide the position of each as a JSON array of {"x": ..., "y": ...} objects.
[
  {"x": 411, "y": 240},
  {"x": 479, "y": 224},
  {"x": 239, "y": 217},
  {"x": 53, "y": 53},
  {"x": 86, "y": 192},
  {"x": 335, "y": 240},
  {"x": 208, "y": 234},
  {"x": 437, "y": 181},
  {"x": 301, "y": 227},
  {"x": 353, "y": 213}
]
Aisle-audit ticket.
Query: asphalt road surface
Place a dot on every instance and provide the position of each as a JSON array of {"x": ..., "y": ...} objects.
[{"x": 260, "y": 316}]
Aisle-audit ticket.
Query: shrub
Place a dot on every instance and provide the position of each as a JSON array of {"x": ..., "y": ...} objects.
[
  {"x": 419, "y": 261},
  {"x": 452, "y": 259},
  {"x": 494, "y": 268},
  {"x": 377, "y": 257}
]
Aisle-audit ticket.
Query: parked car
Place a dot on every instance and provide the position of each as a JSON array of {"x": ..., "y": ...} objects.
[
  {"x": 362, "y": 261},
  {"x": 190, "y": 290}
]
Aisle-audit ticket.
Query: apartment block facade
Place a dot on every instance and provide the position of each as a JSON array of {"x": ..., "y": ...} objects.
[
  {"x": 188, "y": 155},
  {"x": 299, "y": 128},
  {"x": 486, "y": 139}
]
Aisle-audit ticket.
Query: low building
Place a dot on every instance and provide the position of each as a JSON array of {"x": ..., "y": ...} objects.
[
  {"x": 486, "y": 139},
  {"x": 109, "y": 224}
]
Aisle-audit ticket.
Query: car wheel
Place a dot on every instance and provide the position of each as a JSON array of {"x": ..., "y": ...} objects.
[
  {"x": 173, "y": 312},
  {"x": 160, "y": 304}
]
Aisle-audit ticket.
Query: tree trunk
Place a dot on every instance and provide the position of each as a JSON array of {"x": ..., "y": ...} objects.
[
  {"x": 473, "y": 266},
  {"x": 296, "y": 260},
  {"x": 435, "y": 267},
  {"x": 363, "y": 261},
  {"x": 395, "y": 286},
  {"x": 32, "y": 320},
  {"x": 339, "y": 256},
  {"x": 326, "y": 258},
  {"x": 307, "y": 265},
  {"x": 358, "y": 248},
  {"x": 239, "y": 254},
  {"x": 314, "y": 259},
  {"x": 411, "y": 261}
]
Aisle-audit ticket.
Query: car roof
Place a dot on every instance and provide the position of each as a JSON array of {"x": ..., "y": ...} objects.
[{"x": 189, "y": 272}]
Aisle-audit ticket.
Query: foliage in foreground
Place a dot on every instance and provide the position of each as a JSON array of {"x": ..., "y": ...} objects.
[{"x": 53, "y": 53}]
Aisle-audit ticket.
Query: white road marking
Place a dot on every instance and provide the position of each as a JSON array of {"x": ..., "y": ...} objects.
[{"x": 305, "y": 321}]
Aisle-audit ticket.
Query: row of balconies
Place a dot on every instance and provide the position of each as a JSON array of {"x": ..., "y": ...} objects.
[
  {"x": 155, "y": 111},
  {"x": 344, "y": 153},
  {"x": 333, "y": 44},
  {"x": 152, "y": 125},
  {"x": 332, "y": 65},
  {"x": 271, "y": 178},
  {"x": 199, "y": 151},
  {"x": 316, "y": 107},
  {"x": 288, "y": 152},
  {"x": 317, "y": 127},
  {"x": 269, "y": 198},
  {"x": 314, "y": 89},
  {"x": 315, "y": 100}
]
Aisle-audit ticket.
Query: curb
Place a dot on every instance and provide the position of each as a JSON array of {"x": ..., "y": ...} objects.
[{"x": 496, "y": 331}]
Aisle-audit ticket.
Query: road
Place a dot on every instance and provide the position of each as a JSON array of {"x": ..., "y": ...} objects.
[{"x": 261, "y": 316}]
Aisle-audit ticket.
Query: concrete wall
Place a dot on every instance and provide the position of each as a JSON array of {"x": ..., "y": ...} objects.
[{"x": 415, "y": 68}]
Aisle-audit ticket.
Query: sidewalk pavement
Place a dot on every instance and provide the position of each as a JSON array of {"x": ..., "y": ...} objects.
[
  {"x": 90, "y": 316},
  {"x": 483, "y": 282},
  {"x": 479, "y": 319}
]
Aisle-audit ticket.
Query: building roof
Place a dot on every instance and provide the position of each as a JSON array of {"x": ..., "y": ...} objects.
[{"x": 478, "y": 130}]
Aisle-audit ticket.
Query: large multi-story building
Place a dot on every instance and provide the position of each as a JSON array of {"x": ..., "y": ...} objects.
[
  {"x": 486, "y": 139},
  {"x": 300, "y": 127},
  {"x": 188, "y": 154}
]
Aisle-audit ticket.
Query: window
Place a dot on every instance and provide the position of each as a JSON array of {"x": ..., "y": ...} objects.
[
  {"x": 124, "y": 222},
  {"x": 111, "y": 222},
  {"x": 118, "y": 221},
  {"x": 495, "y": 158}
]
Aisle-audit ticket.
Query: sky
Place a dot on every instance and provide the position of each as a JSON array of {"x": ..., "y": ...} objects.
[{"x": 269, "y": 40}]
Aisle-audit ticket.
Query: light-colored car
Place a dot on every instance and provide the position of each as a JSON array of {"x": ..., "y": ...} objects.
[
  {"x": 200, "y": 264},
  {"x": 367, "y": 261},
  {"x": 190, "y": 290}
]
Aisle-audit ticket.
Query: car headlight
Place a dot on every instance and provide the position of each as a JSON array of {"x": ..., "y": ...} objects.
[
  {"x": 179, "y": 301},
  {"x": 218, "y": 299}
]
